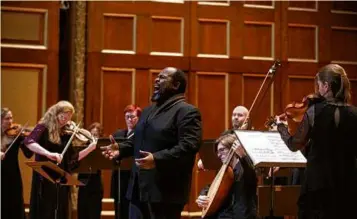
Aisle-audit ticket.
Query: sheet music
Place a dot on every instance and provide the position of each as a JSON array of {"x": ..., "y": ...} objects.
[{"x": 267, "y": 149}]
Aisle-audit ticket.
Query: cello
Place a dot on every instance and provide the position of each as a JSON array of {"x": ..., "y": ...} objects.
[{"x": 224, "y": 179}]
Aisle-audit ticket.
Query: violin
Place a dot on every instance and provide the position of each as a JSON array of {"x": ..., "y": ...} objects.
[
  {"x": 294, "y": 113},
  {"x": 82, "y": 136},
  {"x": 15, "y": 130},
  {"x": 12, "y": 134}
]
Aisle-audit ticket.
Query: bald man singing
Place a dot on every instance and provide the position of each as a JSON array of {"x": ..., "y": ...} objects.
[{"x": 166, "y": 140}]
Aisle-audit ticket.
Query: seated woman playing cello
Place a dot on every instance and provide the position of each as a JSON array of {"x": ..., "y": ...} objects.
[{"x": 241, "y": 201}]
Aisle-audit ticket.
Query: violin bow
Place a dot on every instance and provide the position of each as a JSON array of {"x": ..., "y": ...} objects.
[
  {"x": 69, "y": 141},
  {"x": 271, "y": 71},
  {"x": 17, "y": 136}
]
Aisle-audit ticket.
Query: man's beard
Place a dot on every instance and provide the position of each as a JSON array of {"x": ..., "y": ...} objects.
[
  {"x": 162, "y": 96},
  {"x": 237, "y": 125},
  {"x": 155, "y": 96}
]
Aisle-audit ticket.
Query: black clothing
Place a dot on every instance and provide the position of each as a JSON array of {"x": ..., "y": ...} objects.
[
  {"x": 123, "y": 210},
  {"x": 242, "y": 201},
  {"x": 155, "y": 210},
  {"x": 12, "y": 202},
  {"x": 331, "y": 175},
  {"x": 172, "y": 133},
  {"x": 43, "y": 192},
  {"x": 90, "y": 196}
]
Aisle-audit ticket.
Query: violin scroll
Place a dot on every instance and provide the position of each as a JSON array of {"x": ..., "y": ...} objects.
[{"x": 271, "y": 121}]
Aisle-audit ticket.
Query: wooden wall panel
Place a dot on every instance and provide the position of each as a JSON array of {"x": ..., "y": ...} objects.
[
  {"x": 21, "y": 18},
  {"x": 117, "y": 91},
  {"x": 160, "y": 43},
  {"x": 303, "y": 43},
  {"x": 143, "y": 87},
  {"x": 213, "y": 30},
  {"x": 293, "y": 89},
  {"x": 113, "y": 28},
  {"x": 346, "y": 54},
  {"x": 226, "y": 48},
  {"x": 215, "y": 108},
  {"x": 262, "y": 33}
]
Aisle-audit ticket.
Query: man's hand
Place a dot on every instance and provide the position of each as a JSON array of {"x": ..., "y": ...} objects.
[
  {"x": 2, "y": 154},
  {"x": 200, "y": 165},
  {"x": 238, "y": 148},
  {"x": 275, "y": 169},
  {"x": 202, "y": 201},
  {"x": 111, "y": 151},
  {"x": 147, "y": 162}
]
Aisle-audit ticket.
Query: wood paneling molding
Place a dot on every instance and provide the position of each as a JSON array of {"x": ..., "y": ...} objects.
[
  {"x": 24, "y": 28},
  {"x": 119, "y": 33},
  {"x": 161, "y": 44}
]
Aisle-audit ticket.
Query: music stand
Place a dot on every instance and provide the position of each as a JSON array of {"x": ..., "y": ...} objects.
[
  {"x": 96, "y": 161},
  {"x": 267, "y": 149},
  {"x": 209, "y": 156},
  {"x": 54, "y": 174}
]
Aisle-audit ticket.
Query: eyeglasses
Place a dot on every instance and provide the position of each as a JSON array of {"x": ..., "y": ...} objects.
[
  {"x": 130, "y": 117},
  {"x": 222, "y": 150}
]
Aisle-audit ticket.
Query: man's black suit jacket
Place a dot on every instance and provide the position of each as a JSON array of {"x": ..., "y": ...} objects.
[{"x": 172, "y": 132}]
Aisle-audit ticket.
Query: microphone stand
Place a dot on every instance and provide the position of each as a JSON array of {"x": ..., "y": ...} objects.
[{"x": 119, "y": 185}]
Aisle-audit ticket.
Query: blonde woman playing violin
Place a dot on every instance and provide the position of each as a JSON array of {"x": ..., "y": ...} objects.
[{"x": 48, "y": 141}]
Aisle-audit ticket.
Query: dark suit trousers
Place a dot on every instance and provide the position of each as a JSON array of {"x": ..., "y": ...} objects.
[{"x": 147, "y": 210}]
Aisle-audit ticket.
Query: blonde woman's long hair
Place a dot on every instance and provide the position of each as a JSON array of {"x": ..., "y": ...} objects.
[{"x": 51, "y": 122}]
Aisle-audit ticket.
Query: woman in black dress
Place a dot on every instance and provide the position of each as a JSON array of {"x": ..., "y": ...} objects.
[
  {"x": 12, "y": 202},
  {"x": 328, "y": 128},
  {"x": 90, "y": 196},
  {"x": 48, "y": 141}
]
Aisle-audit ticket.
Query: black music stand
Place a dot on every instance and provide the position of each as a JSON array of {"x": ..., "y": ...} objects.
[
  {"x": 96, "y": 161},
  {"x": 209, "y": 156},
  {"x": 54, "y": 174},
  {"x": 267, "y": 149}
]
